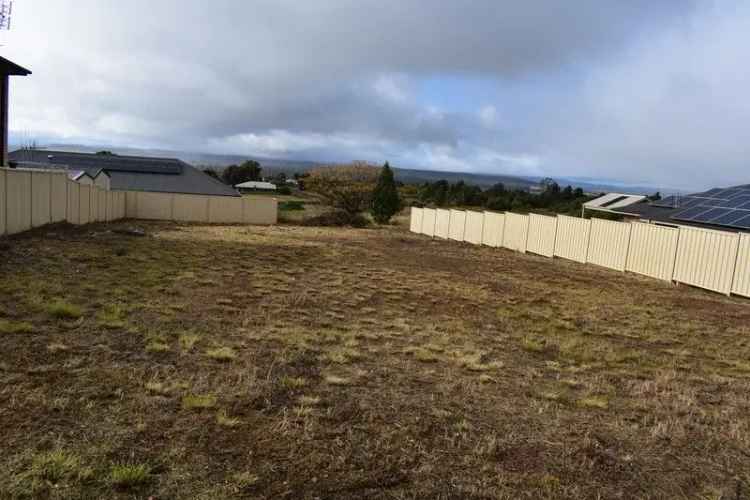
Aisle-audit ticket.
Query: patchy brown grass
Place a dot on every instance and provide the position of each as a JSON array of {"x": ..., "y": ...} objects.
[{"x": 288, "y": 362}]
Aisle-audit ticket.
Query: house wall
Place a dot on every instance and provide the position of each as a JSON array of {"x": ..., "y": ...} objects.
[
  {"x": 85, "y": 180},
  {"x": 103, "y": 181}
]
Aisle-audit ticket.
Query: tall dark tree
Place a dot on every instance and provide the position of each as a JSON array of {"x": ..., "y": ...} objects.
[
  {"x": 237, "y": 174},
  {"x": 385, "y": 200}
]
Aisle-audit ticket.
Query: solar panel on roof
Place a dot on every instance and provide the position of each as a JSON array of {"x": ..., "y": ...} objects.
[
  {"x": 730, "y": 218},
  {"x": 743, "y": 223},
  {"x": 690, "y": 213},
  {"x": 712, "y": 214}
]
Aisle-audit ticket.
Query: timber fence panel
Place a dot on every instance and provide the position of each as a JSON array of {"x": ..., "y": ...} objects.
[
  {"x": 84, "y": 205},
  {"x": 58, "y": 197},
  {"x": 2, "y": 202},
  {"x": 516, "y": 231},
  {"x": 41, "y": 191},
  {"x": 190, "y": 208},
  {"x": 741, "y": 284},
  {"x": 261, "y": 210},
  {"x": 572, "y": 238},
  {"x": 541, "y": 237},
  {"x": 652, "y": 250},
  {"x": 442, "y": 223},
  {"x": 415, "y": 225},
  {"x": 457, "y": 225},
  {"x": 706, "y": 258},
  {"x": 17, "y": 201},
  {"x": 428, "y": 221},
  {"x": 154, "y": 206},
  {"x": 608, "y": 244},
  {"x": 492, "y": 230},
  {"x": 225, "y": 210},
  {"x": 74, "y": 202},
  {"x": 474, "y": 226}
]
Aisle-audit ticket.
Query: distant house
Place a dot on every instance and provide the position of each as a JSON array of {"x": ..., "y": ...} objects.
[
  {"x": 727, "y": 208},
  {"x": 81, "y": 177},
  {"x": 7, "y": 69},
  {"x": 126, "y": 173},
  {"x": 250, "y": 186}
]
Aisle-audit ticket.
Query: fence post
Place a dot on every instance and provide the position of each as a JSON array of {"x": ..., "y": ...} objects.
[
  {"x": 676, "y": 251},
  {"x": 627, "y": 250},
  {"x": 736, "y": 261}
]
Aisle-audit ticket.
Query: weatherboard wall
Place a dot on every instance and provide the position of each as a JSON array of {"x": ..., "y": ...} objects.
[
  {"x": 541, "y": 236},
  {"x": 492, "y": 229},
  {"x": 652, "y": 250}
]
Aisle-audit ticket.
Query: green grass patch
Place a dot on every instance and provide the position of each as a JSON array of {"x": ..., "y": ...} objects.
[
  {"x": 198, "y": 402},
  {"x": 129, "y": 475},
  {"x": 15, "y": 327},
  {"x": 222, "y": 354},
  {"x": 63, "y": 310}
]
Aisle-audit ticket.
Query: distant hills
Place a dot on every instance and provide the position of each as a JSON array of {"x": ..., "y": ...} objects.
[{"x": 273, "y": 166}]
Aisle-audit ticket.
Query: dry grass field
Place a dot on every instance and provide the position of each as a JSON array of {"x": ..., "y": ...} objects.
[{"x": 289, "y": 362}]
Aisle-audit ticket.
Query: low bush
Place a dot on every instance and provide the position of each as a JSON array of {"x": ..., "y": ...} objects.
[
  {"x": 292, "y": 205},
  {"x": 337, "y": 218}
]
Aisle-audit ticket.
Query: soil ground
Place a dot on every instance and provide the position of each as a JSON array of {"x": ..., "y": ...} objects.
[{"x": 297, "y": 362}]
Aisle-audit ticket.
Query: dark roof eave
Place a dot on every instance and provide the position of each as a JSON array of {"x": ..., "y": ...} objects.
[{"x": 11, "y": 68}]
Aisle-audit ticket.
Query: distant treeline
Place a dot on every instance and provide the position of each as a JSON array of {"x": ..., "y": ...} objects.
[{"x": 551, "y": 197}]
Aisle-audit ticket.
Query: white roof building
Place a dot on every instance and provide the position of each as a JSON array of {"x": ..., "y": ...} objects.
[
  {"x": 613, "y": 201},
  {"x": 267, "y": 186}
]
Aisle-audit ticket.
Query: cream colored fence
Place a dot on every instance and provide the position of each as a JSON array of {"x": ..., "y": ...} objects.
[
  {"x": 516, "y": 231},
  {"x": 492, "y": 230},
  {"x": 542, "y": 233},
  {"x": 213, "y": 209},
  {"x": 457, "y": 225},
  {"x": 442, "y": 223},
  {"x": 474, "y": 226},
  {"x": 741, "y": 284},
  {"x": 572, "y": 240},
  {"x": 608, "y": 244},
  {"x": 34, "y": 198},
  {"x": 714, "y": 260},
  {"x": 652, "y": 250},
  {"x": 428, "y": 221}
]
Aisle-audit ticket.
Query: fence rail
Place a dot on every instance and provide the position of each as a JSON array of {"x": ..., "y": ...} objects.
[{"x": 705, "y": 258}]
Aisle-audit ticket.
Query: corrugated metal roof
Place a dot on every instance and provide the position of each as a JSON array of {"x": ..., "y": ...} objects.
[
  {"x": 129, "y": 173},
  {"x": 255, "y": 185}
]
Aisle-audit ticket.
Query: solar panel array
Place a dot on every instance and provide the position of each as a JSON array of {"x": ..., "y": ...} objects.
[{"x": 722, "y": 207}]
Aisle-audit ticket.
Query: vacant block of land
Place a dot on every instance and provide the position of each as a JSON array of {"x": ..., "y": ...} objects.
[{"x": 288, "y": 362}]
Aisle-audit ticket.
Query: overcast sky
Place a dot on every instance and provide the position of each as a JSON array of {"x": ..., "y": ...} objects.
[{"x": 640, "y": 91}]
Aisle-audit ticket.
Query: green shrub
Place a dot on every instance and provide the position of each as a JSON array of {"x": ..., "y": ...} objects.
[
  {"x": 129, "y": 475},
  {"x": 292, "y": 205}
]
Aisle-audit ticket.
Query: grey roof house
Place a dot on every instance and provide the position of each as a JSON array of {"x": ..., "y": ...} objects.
[{"x": 127, "y": 173}]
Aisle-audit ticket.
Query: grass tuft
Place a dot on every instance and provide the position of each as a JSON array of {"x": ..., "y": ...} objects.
[
  {"x": 222, "y": 354},
  {"x": 129, "y": 475},
  {"x": 598, "y": 402},
  {"x": 63, "y": 310},
  {"x": 198, "y": 402},
  {"x": 11, "y": 327},
  {"x": 226, "y": 421}
]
